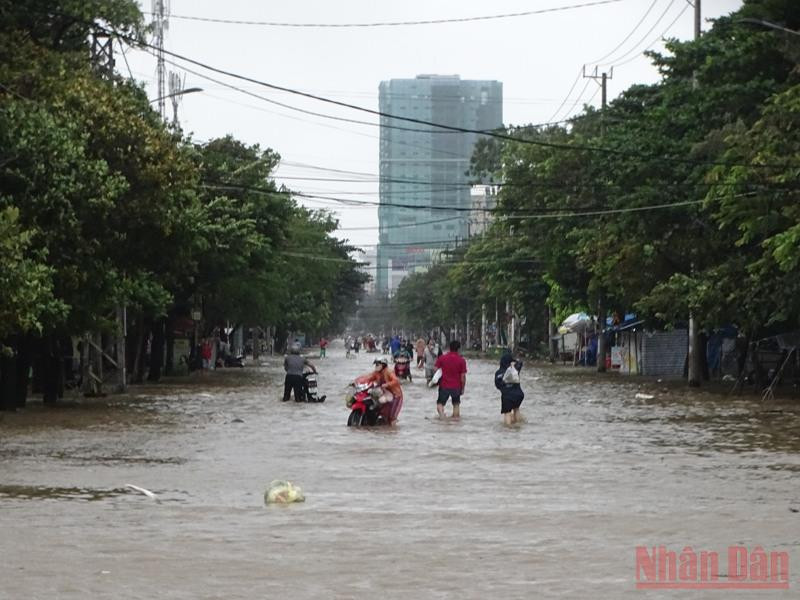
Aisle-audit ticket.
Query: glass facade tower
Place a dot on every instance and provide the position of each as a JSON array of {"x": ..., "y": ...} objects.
[{"x": 423, "y": 167}]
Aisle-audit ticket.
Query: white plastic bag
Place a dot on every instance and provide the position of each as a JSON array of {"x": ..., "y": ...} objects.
[
  {"x": 511, "y": 375},
  {"x": 283, "y": 492},
  {"x": 435, "y": 379}
]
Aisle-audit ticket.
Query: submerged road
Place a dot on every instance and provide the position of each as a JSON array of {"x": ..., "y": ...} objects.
[{"x": 552, "y": 508}]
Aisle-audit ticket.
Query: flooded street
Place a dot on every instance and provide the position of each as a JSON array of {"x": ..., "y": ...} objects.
[{"x": 553, "y": 508}]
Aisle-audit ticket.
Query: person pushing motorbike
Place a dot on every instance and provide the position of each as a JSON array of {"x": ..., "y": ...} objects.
[
  {"x": 390, "y": 384},
  {"x": 293, "y": 364}
]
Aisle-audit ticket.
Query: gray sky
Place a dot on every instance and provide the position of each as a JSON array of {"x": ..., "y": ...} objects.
[{"x": 538, "y": 58}]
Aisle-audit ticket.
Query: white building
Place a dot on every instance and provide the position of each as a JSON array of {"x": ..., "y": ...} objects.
[
  {"x": 370, "y": 267},
  {"x": 484, "y": 200}
]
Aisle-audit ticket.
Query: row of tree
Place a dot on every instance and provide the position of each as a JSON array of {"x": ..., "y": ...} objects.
[
  {"x": 679, "y": 199},
  {"x": 102, "y": 205}
]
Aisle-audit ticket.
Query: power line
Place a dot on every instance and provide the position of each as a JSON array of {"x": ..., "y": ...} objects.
[
  {"x": 564, "y": 101},
  {"x": 394, "y": 23},
  {"x": 627, "y": 37},
  {"x": 675, "y": 20},
  {"x": 303, "y": 110},
  {"x": 580, "y": 72},
  {"x": 393, "y": 227},
  {"x": 644, "y": 37},
  {"x": 493, "y": 134}
]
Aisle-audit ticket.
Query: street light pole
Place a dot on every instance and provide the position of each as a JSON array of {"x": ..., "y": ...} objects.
[
  {"x": 767, "y": 24},
  {"x": 190, "y": 90}
]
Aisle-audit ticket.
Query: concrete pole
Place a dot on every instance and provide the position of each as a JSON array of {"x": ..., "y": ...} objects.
[
  {"x": 601, "y": 339},
  {"x": 509, "y": 326},
  {"x": 86, "y": 380},
  {"x": 98, "y": 361},
  {"x": 697, "y": 19},
  {"x": 694, "y": 352},
  {"x": 122, "y": 382},
  {"x": 483, "y": 327},
  {"x": 496, "y": 323}
]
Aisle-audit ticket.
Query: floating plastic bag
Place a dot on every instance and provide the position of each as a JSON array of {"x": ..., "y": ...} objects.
[
  {"x": 283, "y": 492},
  {"x": 435, "y": 379}
]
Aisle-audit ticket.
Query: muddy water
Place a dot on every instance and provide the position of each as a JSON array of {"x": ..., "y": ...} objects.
[{"x": 432, "y": 509}]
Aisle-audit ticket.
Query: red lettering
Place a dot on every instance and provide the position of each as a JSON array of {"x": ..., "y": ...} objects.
[
  {"x": 737, "y": 563},
  {"x": 645, "y": 563}
]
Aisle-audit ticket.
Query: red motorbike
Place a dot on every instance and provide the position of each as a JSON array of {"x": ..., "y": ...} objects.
[
  {"x": 363, "y": 403},
  {"x": 402, "y": 367}
]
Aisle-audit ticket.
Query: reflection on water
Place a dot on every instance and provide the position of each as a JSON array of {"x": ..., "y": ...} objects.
[{"x": 432, "y": 509}]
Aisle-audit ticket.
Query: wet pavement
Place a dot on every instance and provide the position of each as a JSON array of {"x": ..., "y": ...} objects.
[{"x": 552, "y": 508}]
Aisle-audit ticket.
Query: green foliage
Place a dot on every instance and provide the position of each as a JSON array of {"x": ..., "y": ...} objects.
[
  {"x": 25, "y": 279},
  {"x": 102, "y": 204},
  {"x": 716, "y": 140}
]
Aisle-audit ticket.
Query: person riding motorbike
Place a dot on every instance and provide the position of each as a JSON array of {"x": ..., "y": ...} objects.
[{"x": 387, "y": 380}]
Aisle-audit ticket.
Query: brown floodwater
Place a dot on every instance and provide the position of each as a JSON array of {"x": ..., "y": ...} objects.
[{"x": 552, "y": 508}]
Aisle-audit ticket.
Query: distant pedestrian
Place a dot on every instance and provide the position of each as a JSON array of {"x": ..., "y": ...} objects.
[
  {"x": 323, "y": 346},
  {"x": 453, "y": 380},
  {"x": 420, "y": 353},
  {"x": 394, "y": 345},
  {"x": 506, "y": 379},
  {"x": 293, "y": 364},
  {"x": 206, "y": 353},
  {"x": 430, "y": 361}
]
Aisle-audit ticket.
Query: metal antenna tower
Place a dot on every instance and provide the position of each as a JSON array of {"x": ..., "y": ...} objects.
[
  {"x": 160, "y": 25},
  {"x": 176, "y": 87}
]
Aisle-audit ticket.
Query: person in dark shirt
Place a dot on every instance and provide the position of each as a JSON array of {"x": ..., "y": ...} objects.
[
  {"x": 506, "y": 379},
  {"x": 293, "y": 364}
]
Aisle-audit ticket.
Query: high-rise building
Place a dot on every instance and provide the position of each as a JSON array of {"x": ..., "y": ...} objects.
[{"x": 424, "y": 167}]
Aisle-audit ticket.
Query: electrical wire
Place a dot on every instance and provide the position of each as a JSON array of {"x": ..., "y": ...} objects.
[
  {"x": 627, "y": 37},
  {"x": 303, "y": 110},
  {"x": 393, "y": 227},
  {"x": 493, "y": 134},
  {"x": 644, "y": 37},
  {"x": 580, "y": 71},
  {"x": 392, "y": 23},
  {"x": 566, "y": 98},
  {"x": 655, "y": 41}
]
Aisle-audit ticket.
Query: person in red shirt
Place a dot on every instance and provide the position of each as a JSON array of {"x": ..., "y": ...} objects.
[
  {"x": 323, "y": 346},
  {"x": 453, "y": 380}
]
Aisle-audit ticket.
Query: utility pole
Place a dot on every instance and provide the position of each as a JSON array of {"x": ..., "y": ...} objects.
[
  {"x": 122, "y": 325},
  {"x": 693, "y": 352},
  {"x": 176, "y": 87},
  {"x": 483, "y": 327},
  {"x": 601, "y": 309},
  {"x": 160, "y": 25},
  {"x": 697, "y": 19},
  {"x": 102, "y": 54}
]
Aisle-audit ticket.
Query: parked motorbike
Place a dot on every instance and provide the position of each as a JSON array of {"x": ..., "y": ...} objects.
[{"x": 234, "y": 361}]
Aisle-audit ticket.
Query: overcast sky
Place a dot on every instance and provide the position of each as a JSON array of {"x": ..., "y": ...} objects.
[{"x": 538, "y": 58}]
